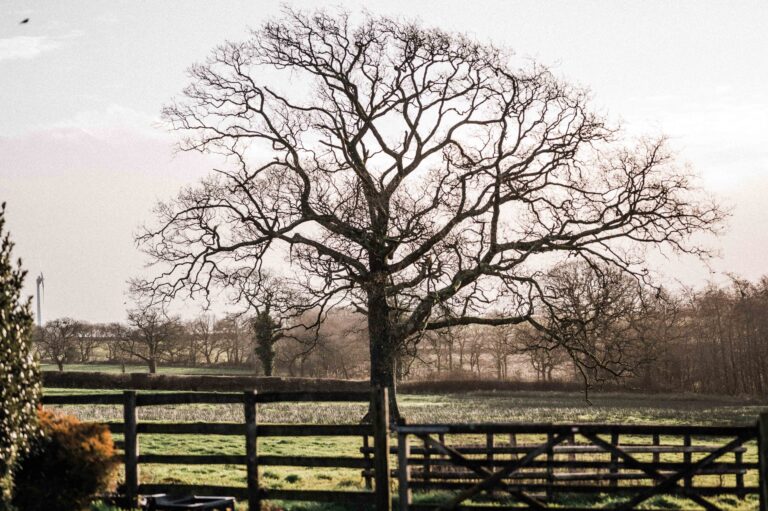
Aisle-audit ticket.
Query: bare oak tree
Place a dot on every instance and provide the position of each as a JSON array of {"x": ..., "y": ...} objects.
[{"x": 412, "y": 174}]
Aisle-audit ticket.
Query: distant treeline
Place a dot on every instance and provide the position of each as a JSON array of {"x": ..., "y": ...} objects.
[
  {"x": 720, "y": 342},
  {"x": 712, "y": 341}
]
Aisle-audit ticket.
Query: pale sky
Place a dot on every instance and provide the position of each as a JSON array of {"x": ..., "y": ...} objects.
[{"x": 83, "y": 160}]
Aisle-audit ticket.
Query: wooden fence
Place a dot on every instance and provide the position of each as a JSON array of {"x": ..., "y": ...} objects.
[
  {"x": 376, "y": 462},
  {"x": 528, "y": 464}
]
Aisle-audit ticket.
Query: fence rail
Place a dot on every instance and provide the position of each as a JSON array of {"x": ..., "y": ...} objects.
[{"x": 528, "y": 464}]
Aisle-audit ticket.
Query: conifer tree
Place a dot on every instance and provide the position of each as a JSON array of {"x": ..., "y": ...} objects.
[
  {"x": 19, "y": 372},
  {"x": 266, "y": 332}
]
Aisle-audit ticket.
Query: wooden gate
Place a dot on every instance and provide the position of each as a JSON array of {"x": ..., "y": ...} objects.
[{"x": 537, "y": 464}]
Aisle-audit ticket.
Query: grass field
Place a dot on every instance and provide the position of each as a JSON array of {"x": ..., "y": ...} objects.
[
  {"x": 472, "y": 407},
  {"x": 557, "y": 407}
]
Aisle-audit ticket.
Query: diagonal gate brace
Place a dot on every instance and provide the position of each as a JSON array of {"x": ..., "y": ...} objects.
[
  {"x": 496, "y": 478},
  {"x": 633, "y": 462},
  {"x": 462, "y": 460},
  {"x": 669, "y": 482}
]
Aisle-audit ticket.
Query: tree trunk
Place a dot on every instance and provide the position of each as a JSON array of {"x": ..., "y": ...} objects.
[
  {"x": 60, "y": 363},
  {"x": 152, "y": 363},
  {"x": 383, "y": 347}
]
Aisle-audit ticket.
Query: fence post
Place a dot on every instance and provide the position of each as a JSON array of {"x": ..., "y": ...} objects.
[
  {"x": 251, "y": 454},
  {"x": 762, "y": 448},
  {"x": 427, "y": 462},
  {"x": 687, "y": 458},
  {"x": 131, "y": 440},
  {"x": 572, "y": 454},
  {"x": 368, "y": 471},
  {"x": 513, "y": 443},
  {"x": 489, "y": 448},
  {"x": 380, "y": 416},
  {"x": 550, "y": 468},
  {"x": 740, "y": 473},
  {"x": 403, "y": 470},
  {"x": 614, "y": 470}
]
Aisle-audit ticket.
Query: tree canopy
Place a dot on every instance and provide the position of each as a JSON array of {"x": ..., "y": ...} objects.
[{"x": 415, "y": 175}]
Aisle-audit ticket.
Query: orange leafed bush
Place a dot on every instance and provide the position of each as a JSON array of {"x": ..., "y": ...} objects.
[{"x": 69, "y": 463}]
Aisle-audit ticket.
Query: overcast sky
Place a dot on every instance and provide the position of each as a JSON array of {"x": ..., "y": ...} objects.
[{"x": 83, "y": 160}]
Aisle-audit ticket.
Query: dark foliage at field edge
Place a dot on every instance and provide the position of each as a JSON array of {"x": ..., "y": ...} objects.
[
  {"x": 220, "y": 383},
  {"x": 147, "y": 381}
]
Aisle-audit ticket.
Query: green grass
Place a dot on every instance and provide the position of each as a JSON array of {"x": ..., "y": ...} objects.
[
  {"x": 557, "y": 407},
  {"x": 605, "y": 501}
]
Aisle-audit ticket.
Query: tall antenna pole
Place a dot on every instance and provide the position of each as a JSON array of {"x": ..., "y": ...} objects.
[{"x": 40, "y": 287}]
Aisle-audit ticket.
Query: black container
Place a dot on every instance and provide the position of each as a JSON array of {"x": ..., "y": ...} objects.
[{"x": 164, "y": 502}]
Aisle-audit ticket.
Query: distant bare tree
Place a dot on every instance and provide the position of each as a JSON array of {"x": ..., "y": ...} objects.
[
  {"x": 337, "y": 349},
  {"x": 112, "y": 335},
  {"x": 87, "y": 338},
  {"x": 234, "y": 333},
  {"x": 152, "y": 335},
  {"x": 344, "y": 352},
  {"x": 596, "y": 314},
  {"x": 205, "y": 340},
  {"x": 545, "y": 359},
  {"x": 56, "y": 341},
  {"x": 501, "y": 346},
  {"x": 413, "y": 174},
  {"x": 441, "y": 342}
]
